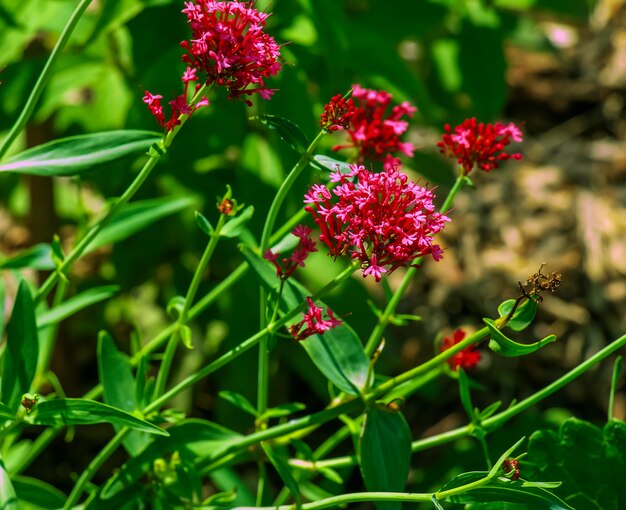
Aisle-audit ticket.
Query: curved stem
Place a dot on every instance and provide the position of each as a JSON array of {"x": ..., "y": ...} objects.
[
  {"x": 170, "y": 350},
  {"x": 29, "y": 107}
]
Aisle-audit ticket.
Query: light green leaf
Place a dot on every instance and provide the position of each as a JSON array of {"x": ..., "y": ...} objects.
[
  {"x": 523, "y": 316},
  {"x": 235, "y": 225},
  {"x": 37, "y": 257},
  {"x": 504, "y": 346},
  {"x": 204, "y": 224},
  {"x": 283, "y": 410},
  {"x": 8, "y": 498},
  {"x": 385, "y": 454},
  {"x": 22, "y": 349},
  {"x": 137, "y": 216},
  {"x": 75, "y": 304},
  {"x": 289, "y": 131},
  {"x": 38, "y": 493},
  {"x": 328, "y": 163},
  {"x": 6, "y": 413},
  {"x": 78, "y": 411},
  {"x": 78, "y": 154}
]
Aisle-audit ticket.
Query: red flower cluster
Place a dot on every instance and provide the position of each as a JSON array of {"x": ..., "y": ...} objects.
[
  {"x": 179, "y": 105},
  {"x": 288, "y": 265},
  {"x": 229, "y": 45},
  {"x": 474, "y": 143},
  {"x": 314, "y": 322},
  {"x": 374, "y": 132},
  {"x": 337, "y": 113},
  {"x": 467, "y": 358},
  {"x": 383, "y": 219}
]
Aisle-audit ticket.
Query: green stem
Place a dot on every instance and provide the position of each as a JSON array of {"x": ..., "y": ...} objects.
[
  {"x": 29, "y": 107},
  {"x": 181, "y": 322},
  {"x": 373, "y": 342}
]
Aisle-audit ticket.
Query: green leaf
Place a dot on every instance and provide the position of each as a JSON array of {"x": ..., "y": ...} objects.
[
  {"x": 78, "y": 411},
  {"x": 512, "y": 492},
  {"x": 191, "y": 439},
  {"x": 617, "y": 369},
  {"x": 37, "y": 257},
  {"x": 436, "y": 503},
  {"x": 22, "y": 349},
  {"x": 590, "y": 461},
  {"x": 385, "y": 453},
  {"x": 235, "y": 225},
  {"x": 38, "y": 493},
  {"x": 523, "y": 316},
  {"x": 283, "y": 410},
  {"x": 504, "y": 346},
  {"x": 289, "y": 131},
  {"x": 137, "y": 216},
  {"x": 464, "y": 393},
  {"x": 204, "y": 224},
  {"x": 77, "y": 154},
  {"x": 283, "y": 470},
  {"x": 239, "y": 401},
  {"x": 8, "y": 498},
  {"x": 6, "y": 412},
  {"x": 338, "y": 353},
  {"x": 75, "y": 304},
  {"x": 334, "y": 165}
]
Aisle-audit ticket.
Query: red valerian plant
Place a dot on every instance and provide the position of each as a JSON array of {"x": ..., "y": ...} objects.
[
  {"x": 383, "y": 219},
  {"x": 314, "y": 322},
  {"x": 288, "y": 265},
  {"x": 478, "y": 144},
  {"x": 374, "y": 131},
  {"x": 229, "y": 46},
  {"x": 467, "y": 358}
]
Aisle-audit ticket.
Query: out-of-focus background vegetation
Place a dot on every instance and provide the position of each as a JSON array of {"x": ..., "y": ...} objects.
[{"x": 557, "y": 66}]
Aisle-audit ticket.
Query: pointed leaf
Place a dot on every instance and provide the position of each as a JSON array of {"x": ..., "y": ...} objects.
[
  {"x": 38, "y": 493},
  {"x": 75, "y": 304},
  {"x": 523, "y": 316},
  {"x": 287, "y": 130},
  {"x": 38, "y": 257},
  {"x": 77, "y": 154},
  {"x": 8, "y": 499},
  {"x": 385, "y": 454},
  {"x": 235, "y": 225},
  {"x": 504, "y": 346},
  {"x": 239, "y": 401},
  {"x": 334, "y": 165},
  {"x": 137, "y": 216},
  {"x": 283, "y": 470},
  {"x": 78, "y": 411},
  {"x": 511, "y": 492},
  {"x": 284, "y": 410},
  {"x": 204, "y": 224},
  {"x": 22, "y": 349}
]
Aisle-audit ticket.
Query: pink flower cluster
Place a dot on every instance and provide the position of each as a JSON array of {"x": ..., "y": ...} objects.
[
  {"x": 229, "y": 45},
  {"x": 314, "y": 322},
  {"x": 179, "y": 105},
  {"x": 467, "y": 358},
  {"x": 373, "y": 131},
  {"x": 383, "y": 219},
  {"x": 288, "y": 265},
  {"x": 478, "y": 144}
]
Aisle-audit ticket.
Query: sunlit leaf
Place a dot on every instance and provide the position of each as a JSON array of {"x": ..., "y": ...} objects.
[{"x": 75, "y": 304}]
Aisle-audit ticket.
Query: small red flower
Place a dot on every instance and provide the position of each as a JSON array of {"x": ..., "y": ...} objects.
[
  {"x": 314, "y": 322},
  {"x": 337, "y": 113},
  {"x": 467, "y": 358},
  {"x": 382, "y": 219},
  {"x": 229, "y": 46},
  {"x": 374, "y": 131},
  {"x": 289, "y": 264},
  {"x": 479, "y": 144},
  {"x": 511, "y": 469}
]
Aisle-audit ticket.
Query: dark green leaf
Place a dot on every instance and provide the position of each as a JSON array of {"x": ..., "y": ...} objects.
[
  {"x": 512, "y": 492},
  {"x": 8, "y": 499},
  {"x": 283, "y": 470},
  {"x": 137, "y": 216},
  {"x": 6, "y": 413},
  {"x": 235, "y": 225},
  {"x": 22, "y": 349},
  {"x": 38, "y": 493},
  {"x": 75, "y": 304},
  {"x": 504, "y": 346},
  {"x": 385, "y": 454},
  {"x": 78, "y": 154},
  {"x": 523, "y": 316},
  {"x": 239, "y": 401},
  {"x": 204, "y": 224},
  {"x": 78, "y": 411},
  {"x": 287, "y": 130},
  {"x": 464, "y": 393},
  {"x": 37, "y": 257}
]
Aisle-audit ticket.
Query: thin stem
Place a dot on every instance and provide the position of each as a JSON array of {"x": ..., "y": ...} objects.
[
  {"x": 29, "y": 107},
  {"x": 373, "y": 342},
  {"x": 181, "y": 322}
]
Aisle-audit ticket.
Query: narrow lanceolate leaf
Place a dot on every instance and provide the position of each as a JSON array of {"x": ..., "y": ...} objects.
[
  {"x": 385, "y": 454},
  {"x": 289, "y": 131},
  {"x": 75, "y": 304},
  {"x": 37, "y": 257},
  {"x": 283, "y": 470},
  {"x": 235, "y": 226},
  {"x": 78, "y": 411},
  {"x": 22, "y": 349},
  {"x": 77, "y": 154},
  {"x": 37, "y": 493},
  {"x": 8, "y": 499},
  {"x": 137, "y": 216}
]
